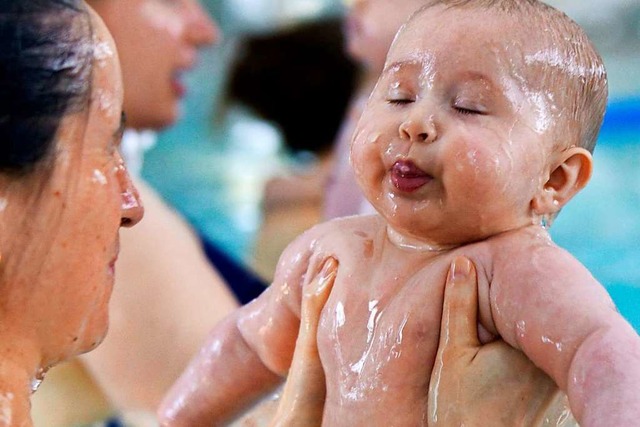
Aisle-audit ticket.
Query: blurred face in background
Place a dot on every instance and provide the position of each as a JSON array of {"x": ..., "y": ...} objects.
[
  {"x": 158, "y": 42},
  {"x": 371, "y": 26}
]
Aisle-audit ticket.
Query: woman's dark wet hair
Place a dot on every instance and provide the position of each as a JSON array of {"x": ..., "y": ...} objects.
[{"x": 45, "y": 73}]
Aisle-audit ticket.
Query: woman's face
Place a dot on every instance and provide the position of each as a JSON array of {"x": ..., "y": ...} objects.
[
  {"x": 157, "y": 43},
  {"x": 58, "y": 270}
]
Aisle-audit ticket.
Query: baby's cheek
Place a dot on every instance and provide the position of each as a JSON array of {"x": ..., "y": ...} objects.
[
  {"x": 476, "y": 165},
  {"x": 365, "y": 153}
]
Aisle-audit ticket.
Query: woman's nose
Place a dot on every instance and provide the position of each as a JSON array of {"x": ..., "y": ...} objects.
[
  {"x": 131, "y": 209},
  {"x": 418, "y": 129},
  {"x": 201, "y": 29}
]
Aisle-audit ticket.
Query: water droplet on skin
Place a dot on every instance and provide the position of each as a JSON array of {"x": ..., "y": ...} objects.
[
  {"x": 373, "y": 318},
  {"x": 546, "y": 221},
  {"x": 102, "y": 52},
  {"x": 405, "y": 242},
  {"x": 35, "y": 384},
  {"x": 98, "y": 177},
  {"x": 6, "y": 415},
  {"x": 285, "y": 288},
  {"x": 37, "y": 380},
  {"x": 521, "y": 328},
  {"x": 556, "y": 59},
  {"x": 129, "y": 200},
  {"x": 340, "y": 317},
  {"x": 557, "y": 345},
  {"x": 104, "y": 100}
]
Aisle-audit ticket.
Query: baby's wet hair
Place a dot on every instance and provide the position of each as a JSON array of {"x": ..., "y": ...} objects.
[
  {"x": 45, "y": 74},
  {"x": 574, "y": 71}
]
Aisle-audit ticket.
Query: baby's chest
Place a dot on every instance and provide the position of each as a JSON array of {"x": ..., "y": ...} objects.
[{"x": 383, "y": 332}]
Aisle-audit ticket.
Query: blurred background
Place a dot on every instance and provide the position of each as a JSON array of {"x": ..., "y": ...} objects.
[{"x": 214, "y": 164}]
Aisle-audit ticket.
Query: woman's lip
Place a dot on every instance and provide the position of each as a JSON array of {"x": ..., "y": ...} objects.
[
  {"x": 408, "y": 177},
  {"x": 112, "y": 263},
  {"x": 178, "y": 87}
]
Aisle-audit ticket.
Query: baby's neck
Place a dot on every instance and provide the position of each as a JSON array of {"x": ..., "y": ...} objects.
[{"x": 414, "y": 244}]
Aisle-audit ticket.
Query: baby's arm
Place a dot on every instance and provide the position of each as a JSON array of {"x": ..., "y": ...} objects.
[
  {"x": 246, "y": 355},
  {"x": 547, "y": 304}
]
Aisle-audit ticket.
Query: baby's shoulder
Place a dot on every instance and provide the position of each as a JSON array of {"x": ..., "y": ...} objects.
[
  {"x": 531, "y": 253},
  {"x": 345, "y": 228},
  {"x": 522, "y": 243},
  {"x": 331, "y": 238}
]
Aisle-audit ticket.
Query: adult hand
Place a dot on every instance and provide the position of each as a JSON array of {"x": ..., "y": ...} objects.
[
  {"x": 302, "y": 400},
  {"x": 485, "y": 385}
]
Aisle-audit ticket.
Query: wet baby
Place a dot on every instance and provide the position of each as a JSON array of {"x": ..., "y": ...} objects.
[{"x": 478, "y": 132}]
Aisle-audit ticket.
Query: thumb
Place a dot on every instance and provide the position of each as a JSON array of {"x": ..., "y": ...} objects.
[{"x": 459, "y": 325}]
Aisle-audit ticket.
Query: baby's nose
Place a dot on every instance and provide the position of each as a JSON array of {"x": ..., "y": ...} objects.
[{"x": 418, "y": 130}]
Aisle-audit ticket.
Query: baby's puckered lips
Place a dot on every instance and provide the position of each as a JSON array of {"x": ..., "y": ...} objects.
[{"x": 408, "y": 177}]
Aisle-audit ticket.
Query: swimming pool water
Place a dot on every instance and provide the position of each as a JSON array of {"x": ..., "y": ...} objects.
[{"x": 601, "y": 226}]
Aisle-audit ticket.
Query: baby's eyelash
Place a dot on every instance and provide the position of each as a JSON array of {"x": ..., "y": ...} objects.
[
  {"x": 399, "y": 101},
  {"x": 467, "y": 111}
]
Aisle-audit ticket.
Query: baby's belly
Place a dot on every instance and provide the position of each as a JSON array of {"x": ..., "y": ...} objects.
[{"x": 378, "y": 374}]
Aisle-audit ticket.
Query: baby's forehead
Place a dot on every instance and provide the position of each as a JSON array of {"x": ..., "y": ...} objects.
[{"x": 452, "y": 38}]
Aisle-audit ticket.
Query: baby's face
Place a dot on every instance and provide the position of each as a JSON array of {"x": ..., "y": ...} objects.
[{"x": 453, "y": 144}]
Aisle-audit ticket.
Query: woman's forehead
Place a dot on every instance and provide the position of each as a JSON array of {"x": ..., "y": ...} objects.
[{"x": 107, "y": 91}]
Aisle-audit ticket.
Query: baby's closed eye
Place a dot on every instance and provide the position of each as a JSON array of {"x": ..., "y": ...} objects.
[{"x": 469, "y": 107}]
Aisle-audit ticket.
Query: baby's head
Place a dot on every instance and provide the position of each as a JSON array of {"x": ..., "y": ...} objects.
[{"x": 483, "y": 120}]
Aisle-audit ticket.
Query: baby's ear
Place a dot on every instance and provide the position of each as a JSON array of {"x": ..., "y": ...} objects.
[{"x": 569, "y": 174}]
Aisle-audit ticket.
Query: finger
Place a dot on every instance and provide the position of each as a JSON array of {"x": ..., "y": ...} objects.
[
  {"x": 302, "y": 400},
  {"x": 459, "y": 325},
  {"x": 317, "y": 292}
]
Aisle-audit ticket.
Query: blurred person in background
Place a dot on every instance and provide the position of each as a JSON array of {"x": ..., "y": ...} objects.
[
  {"x": 369, "y": 28},
  {"x": 300, "y": 80}
]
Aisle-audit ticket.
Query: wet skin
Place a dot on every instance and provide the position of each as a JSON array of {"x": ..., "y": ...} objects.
[
  {"x": 80, "y": 208},
  {"x": 471, "y": 384},
  {"x": 60, "y": 228},
  {"x": 451, "y": 153},
  {"x": 377, "y": 343}
]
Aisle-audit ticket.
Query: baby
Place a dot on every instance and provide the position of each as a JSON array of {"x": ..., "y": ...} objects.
[{"x": 478, "y": 132}]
